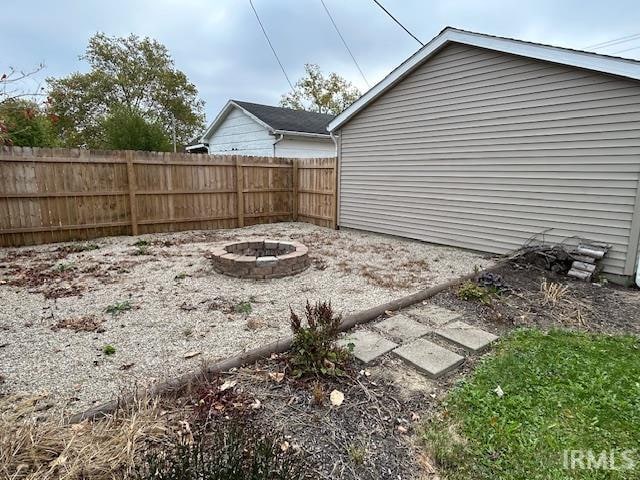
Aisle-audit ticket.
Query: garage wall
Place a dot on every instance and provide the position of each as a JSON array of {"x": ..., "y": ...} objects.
[
  {"x": 483, "y": 150},
  {"x": 301, "y": 147}
]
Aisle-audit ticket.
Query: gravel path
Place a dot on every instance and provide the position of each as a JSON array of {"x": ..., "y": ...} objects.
[{"x": 159, "y": 301}]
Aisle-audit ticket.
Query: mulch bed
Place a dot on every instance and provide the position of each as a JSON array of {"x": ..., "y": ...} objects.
[
  {"x": 369, "y": 436},
  {"x": 603, "y": 308}
]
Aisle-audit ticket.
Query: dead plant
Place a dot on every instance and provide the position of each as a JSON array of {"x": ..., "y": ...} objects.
[
  {"x": 87, "y": 323},
  {"x": 553, "y": 292},
  {"x": 255, "y": 323},
  {"x": 317, "y": 394},
  {"x": 387, "y": 280},
  {"x": 50, "y": 449}
]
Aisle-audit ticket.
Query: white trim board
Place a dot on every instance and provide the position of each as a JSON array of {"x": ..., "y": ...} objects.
[{"x": 590, "y": 61}]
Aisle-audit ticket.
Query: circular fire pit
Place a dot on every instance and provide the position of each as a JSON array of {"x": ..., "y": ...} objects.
[{"x": 260, "y": 259}]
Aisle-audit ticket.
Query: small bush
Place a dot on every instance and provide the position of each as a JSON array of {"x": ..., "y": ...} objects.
[
  {"x": 63, "y": 267},
  {"x": 119, "y": 307},
  {"x": 142, "y": 250},
  {"x": 471, "y": 291},
  {"x": 244, "y": 307},
  {"x": 314, "y": 350},
  {"x": 79, "y": 247},
  {"x": 109, "y": 350},
  {"x": 230, "y": 452},
  {"x": 357, "y": 453}
]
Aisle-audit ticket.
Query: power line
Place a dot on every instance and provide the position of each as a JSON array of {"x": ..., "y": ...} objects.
[
  {"x": 345, "y": 43},
  {"x": 398, "y": 22},
  {"x": 614, "y": 41},
  {"x": 626, "y": 50},
  {"x": 270, "y": 44}
]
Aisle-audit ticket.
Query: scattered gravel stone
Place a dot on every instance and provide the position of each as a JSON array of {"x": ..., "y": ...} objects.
[{"x": 179, "y": 304}]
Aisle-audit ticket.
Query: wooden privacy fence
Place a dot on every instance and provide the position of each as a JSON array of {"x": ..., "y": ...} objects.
[{"x": 57, "y": 195}]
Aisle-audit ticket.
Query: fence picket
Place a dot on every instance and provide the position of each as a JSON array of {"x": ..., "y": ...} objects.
[{"x": 67, "y": 194}]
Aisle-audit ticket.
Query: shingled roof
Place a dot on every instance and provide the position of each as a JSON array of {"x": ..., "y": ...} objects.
[{"x": 287, "y": 119}]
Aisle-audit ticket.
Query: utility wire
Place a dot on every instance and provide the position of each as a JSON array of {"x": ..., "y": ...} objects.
[
  {"x": 398, "y": 22},
  {"x": 614, "y": 41},
  {"x": 270, "y": 44},
  {"x": 345, "y": 43},
  {"x": 626, "y": 50}
]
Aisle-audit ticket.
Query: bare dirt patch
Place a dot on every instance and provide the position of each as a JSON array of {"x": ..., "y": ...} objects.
[
  {"x": 538, "y": 298},
  {"x": 179, "y": 305}
]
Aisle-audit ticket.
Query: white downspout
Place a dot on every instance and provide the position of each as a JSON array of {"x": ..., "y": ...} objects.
[
  {"x": 337, "y": 186},
  {"x": 335, "y": 142},
  {"x": 276, "y": 142}
]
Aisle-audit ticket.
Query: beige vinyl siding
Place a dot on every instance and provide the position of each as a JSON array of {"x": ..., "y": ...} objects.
[{"x": 485, "y": 150}]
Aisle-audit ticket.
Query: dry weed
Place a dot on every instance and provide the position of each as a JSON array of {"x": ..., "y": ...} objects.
[
  {"x": 86, "y": 323},
  {"x": 415, "y": 265},
  {"x": 553, "y": 292},
  {"x": 255, "y": 323},
  {"x": 32, "y": 448},
  {"x": 386, "y": 280},
  {"x": 317, "y": 394}
]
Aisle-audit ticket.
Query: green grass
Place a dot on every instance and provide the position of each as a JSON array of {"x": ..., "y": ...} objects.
[{"x": 562, "y": 391}]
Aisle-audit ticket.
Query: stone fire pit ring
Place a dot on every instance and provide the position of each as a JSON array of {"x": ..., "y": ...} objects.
[{"x": 261, "y": 259}]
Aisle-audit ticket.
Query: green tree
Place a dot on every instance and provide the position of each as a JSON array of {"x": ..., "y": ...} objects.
[
  {"x": 126, "y": 129},
  {"x": 25, "y": 124},
  {"x": 134, "y": 73},
  {"x": 22, "y": 121},
  {"x": 316, "y": 93}
]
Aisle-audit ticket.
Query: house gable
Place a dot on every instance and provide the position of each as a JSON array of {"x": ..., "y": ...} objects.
[{"x": 239, "y": 134}]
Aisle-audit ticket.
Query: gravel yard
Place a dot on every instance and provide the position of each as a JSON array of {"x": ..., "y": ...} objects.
[{"x": 85, "y": 322}]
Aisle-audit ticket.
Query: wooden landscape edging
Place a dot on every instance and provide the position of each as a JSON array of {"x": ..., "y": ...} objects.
[
  {"x": 182, "y": 382},
  {"x": 61, "y": 195}
]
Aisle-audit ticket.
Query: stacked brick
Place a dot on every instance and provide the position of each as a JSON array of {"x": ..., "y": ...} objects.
[{"x": 261, "y": 259}]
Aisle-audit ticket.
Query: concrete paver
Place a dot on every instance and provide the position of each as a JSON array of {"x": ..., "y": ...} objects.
[
  {"x": 367, "y": 345},
  {"x": 434, "y": 314},
  {"x": 402, "y": 327},
  {"x": 468, "y": 337},
  {"x": 428, "y": 357}
]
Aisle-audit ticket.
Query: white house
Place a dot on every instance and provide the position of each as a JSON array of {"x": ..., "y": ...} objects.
[{"x": 244, "y": 128}]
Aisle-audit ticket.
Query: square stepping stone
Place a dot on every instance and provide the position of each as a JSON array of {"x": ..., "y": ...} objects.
[
  {"x": 367, "y": 345},
  {"x": 468, "y": 337},
  {"x": 429, "y": 358},
  {"x": 402, "y": 327},
  {"x": 434, "y": 314}
]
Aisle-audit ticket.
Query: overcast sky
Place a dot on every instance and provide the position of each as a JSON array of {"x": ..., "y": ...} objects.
[{"x": 219, "y": 45}]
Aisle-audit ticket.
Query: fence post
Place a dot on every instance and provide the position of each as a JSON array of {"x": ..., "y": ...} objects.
[
  {"x": 295, "y": 187},
  {"x": 240, "y": 190},
  {"x": 133, "y": 208}
]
